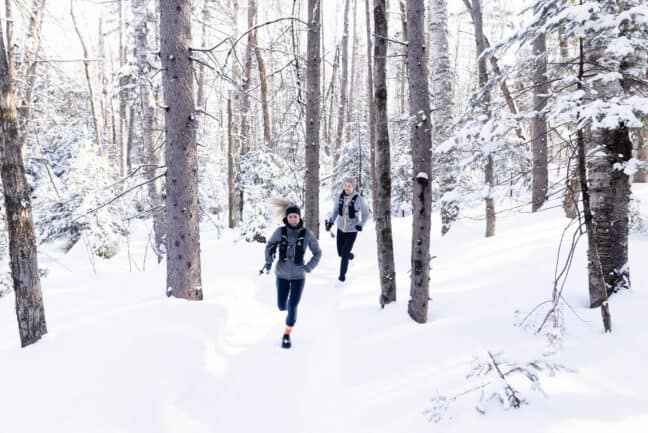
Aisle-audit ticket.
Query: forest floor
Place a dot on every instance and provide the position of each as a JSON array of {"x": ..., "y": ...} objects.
[{"x": 120, "y": 357}]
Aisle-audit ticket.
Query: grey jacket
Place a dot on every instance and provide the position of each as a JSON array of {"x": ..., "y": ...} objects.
[
  {"x": 344, "y": 222},
  {"x": 288, "y": 270}
]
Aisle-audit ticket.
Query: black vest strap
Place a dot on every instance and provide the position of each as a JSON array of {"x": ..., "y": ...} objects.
[
  {"x": 299, "y": 246},
  {"x": 352, "y": 210}
]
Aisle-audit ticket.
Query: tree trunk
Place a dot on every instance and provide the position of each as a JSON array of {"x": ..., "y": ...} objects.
[
  {"x": 539, "y": 126},
  {"x": 489, "y": 169},
  {"x": 183, "y": 236},
  {"x": 11, "y": 60},
  {"x": 344, "y": 70},
  {"x": 609, "y": 186},
  {"x": 313, "y": 117},
  {"x": 573, "y": 182},
  {"x": 421, "y": 157},
  {"x": 371, "y": 108},
  {"x": 149, "y": 125},
  {"x": 331, "y": 94},
  {"x": 442, "y": 108},
  {"x": 641, "y": 176},
  {"x": 404, "y": 78},
  {"x": 382, "y": 199},
  {"x": 30, "y": 311},
  {"x": 200, "y": 81},
  {"x": 234, "y": 139},
  {"x": 86, "y": 68},
  {"x": 28, "y": 64},
  {"x": 265, "y": 98},
  {"x": 246, "y": 112},
  {"x": 354, "y": 57},
  {"x": 106, "y": 98},
  {"x": 596, "y": 279},
  {"x": 123, "y": 96}
]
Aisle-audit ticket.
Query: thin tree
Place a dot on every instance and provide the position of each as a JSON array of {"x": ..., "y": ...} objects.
[
  {"x": 421, "y": 157},
  {"x": 540, "y": 175},
  {"x": 489, "y": 169},
  {"x": 382, "y": 200},
  {"x": 312, "y": 117},
  {"x": 30, "y": 310},
  {"x": 149, "y": 124},
  {"x": 371, "y": 107},
  {"x": 183, "y": 236},
  {"x": 28, "y": 62},
  {"x": 442, "y": 106},
  {"x": 344, "y": 81}
]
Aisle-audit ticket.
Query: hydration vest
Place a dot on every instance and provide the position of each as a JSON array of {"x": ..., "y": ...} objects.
[
  {"x": 299, "y": 246},
  {"x": 352, "y": 210}
]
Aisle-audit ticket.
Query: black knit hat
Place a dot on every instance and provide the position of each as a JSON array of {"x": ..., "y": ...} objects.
[{"x": 293, "y": 208}]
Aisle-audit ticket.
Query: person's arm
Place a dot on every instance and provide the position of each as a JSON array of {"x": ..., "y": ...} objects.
[
  {"x": 270, "y": 248},
  {"x": 313, "y": 245},
  {"x": 334, "y": 212}
]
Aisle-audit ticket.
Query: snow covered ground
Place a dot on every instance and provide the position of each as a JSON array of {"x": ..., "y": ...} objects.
[{"x": 120, "y": 357}]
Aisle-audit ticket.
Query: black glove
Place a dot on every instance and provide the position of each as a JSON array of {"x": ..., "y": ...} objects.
[
  {"x": 328, "y": 224},
  {"x": 358, "y": 227},
  {"x": 268, "y": 266}
]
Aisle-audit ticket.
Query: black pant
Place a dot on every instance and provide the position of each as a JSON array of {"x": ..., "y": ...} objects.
[
  {"x": 344, "y": 245},
  {"x": 285, "y": 302}
]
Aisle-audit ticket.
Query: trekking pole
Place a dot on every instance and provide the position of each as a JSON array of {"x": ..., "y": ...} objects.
[{"x": 262, "y": 269}]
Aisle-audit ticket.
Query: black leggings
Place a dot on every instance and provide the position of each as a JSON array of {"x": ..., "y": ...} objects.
[
  {"x": 288, "y": 295},
  {"x": 345, "y": 243}
]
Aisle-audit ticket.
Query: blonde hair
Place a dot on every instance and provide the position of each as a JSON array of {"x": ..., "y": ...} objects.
[{"x": 280, "y": 205}]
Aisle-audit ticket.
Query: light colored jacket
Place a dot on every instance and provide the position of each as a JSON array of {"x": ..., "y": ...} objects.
[
  {"x": 287, "y": 269},
  {"x": 344, "y": 222}
]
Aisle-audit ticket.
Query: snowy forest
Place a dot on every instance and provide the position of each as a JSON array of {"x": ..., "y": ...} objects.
[{"x": 434, "y": 205}]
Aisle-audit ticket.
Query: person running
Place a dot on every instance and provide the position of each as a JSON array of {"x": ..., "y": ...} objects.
[
  {"x": 291, "y": 241},
  {"x": 350, "y": 213}
]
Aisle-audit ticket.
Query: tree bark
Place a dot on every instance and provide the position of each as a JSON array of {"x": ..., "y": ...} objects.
[
  {"x": 371, "y": 107},
  {"x": 344, "y": 85},
  {"x": 641, "y": 176},
  {"x": 30, "y": 311},
  {"x": 200, "y": 81},
  {"x": 149, "y": 125},
  {"x": 489, "y": 169},
  {"x": 265, "y": 98},
  {"x": 123, "y": 96},
  {"x": 540, "y": 175},
  {"x": 442, "y": 108},
  {"x": 246, "y": 112},
  {"x": 404, "y": 78},
  {"x": 11, "y": 60},
  {"x": 421, "y": 157},
  {"x": 183, "y": 236},
  {"x": 382, "y": 200},
  {"x": 354, "y": 57},
  {"x": 106, "y": 98},
  {"x": 234, "y": 137}
]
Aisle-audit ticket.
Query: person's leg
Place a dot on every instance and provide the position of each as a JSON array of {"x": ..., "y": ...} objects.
[
  {"x": 339, "y": 240},
  {"x": 347, "y": 244},
  {"x": 283, "y": 288},
  {"x": 296, "y": 289}
]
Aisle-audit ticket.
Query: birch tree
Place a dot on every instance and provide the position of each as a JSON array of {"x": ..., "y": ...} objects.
[
  {"x": 183, "y": 236},
  {"x": 540, "y": 178}
]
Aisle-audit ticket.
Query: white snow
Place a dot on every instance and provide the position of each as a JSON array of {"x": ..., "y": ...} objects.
[{"x": 121, "y": 357}]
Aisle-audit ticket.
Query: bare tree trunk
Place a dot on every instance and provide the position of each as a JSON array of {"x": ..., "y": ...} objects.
[
  {"x": 246, "y": 114},
  {"x": 421, "y": 158},
  {"x": 354, "y": 56},
  {"x": 183, "y": 236},
  {"x": 265, "y": 97},
  {"x": 404, "y": 78},
  {"x": 371, "y": 108},
  {"x": 442, "y": 107},
  {"x": 86, "y": 67},
  {"x": 234, "y": 136},
  {"x": 30, "y": 311},
  {"x": 149, "y": 125},
  {"x": 597, "y": 285},
  {"x": 343, "y": 82},
  {"x": 123, "y": 96},
  {"x": 106, "y": 99},
  {"x": 11, "y": 60},
  {"x": 573, "y": 182},
  {"x": 489, "y": 170},
  {"x": 200, "y": 92},
  {"x": 382, "y": 199},
  {"x": 641, "y": 176},
  {"x": 28, "y": 64},
  {"x": 331, "y": 94},
  {"x": 313, "y": 117},
  {"x": 609, "y": 186},
  {"x": 539, "y": 126}
]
